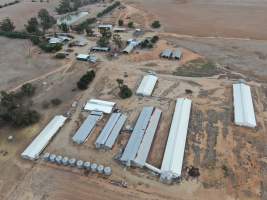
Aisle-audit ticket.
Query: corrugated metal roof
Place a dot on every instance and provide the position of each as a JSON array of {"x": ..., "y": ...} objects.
[
  {"x": 243, "y": 106},
  {"x": 166, "y": 53},
  {"x": 102, "y": 138},
  {"x": 174, "y": 151},
  {"x": 100, "y": 49},
  {"x": 99, "y": 105},
  {"x": 177, "y": 54},
  {"x": 86, "y": 129},
  {"x": 145, "y": 146},
  {"x": 82, "y": 57},
  {"x": 105, "y": 26},
  {"x": 33, "y": 151},
  {"x": 147, "y": 85},
  {"x": 129, "y": 48},
  {"x": 115, "y": 132},
  {"x": 136, "y": 136}
]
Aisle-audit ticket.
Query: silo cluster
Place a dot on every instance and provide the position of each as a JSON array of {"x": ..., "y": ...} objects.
[{"x": 80, "y": 164}]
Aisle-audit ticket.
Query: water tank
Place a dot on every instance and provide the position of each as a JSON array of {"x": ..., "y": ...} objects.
[
  {"x": 65, "y": 161},
  {"x": 72, "y": 162},
  {"x": 87, "y": 165},
  {"x": 46, "y": 156},
  {"x": 93, "y": 167},
  {"x": 100, "y": 169},
  {"x": 52, "y": 158},
  {"x": 107, "y": 171},
  {"x": 59, "y": 160},
  {"x": 79, "y": 164}
]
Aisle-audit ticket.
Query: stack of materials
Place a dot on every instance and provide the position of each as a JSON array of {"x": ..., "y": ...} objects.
[
  {"x": 111, "y": 131},
  {"x": 138, "y": 146}
]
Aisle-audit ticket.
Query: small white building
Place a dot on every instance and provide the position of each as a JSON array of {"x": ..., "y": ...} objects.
[
  {"x": 147, "y": 85},
  {"x": 243, "y": 106},
  {"x": 99, "y": 105},
  {"x": 105, "y": 27},
  {"x": 82, "y": 57}
]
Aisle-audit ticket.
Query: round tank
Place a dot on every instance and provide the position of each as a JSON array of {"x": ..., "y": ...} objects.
[
  {"x": 93, "y": 167},
  {"x": 65, "y": 161},
  {"x": 100, "y": 169},
  {"x": 59, "y": 160},
  {"x": 107, "y": 171},
  {"x": 72, "y": 162},
  {"x": 52, "y": 158},
  {"x": 79, "y": 164},
  {"x": 87, "y": 165},
  {"x": 46, "y": 156}
]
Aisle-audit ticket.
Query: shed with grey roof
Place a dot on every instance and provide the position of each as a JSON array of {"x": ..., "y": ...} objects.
[
  {"x": 145, "y": 146},
  {"x": 136, "y": 136},
  {"x": 177, "y": 54},
  {"x": 86, "y": 129},
  {"x": 167, "y": 53}
]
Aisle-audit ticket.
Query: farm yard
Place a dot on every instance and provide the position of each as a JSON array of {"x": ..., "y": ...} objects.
[{"x": 231, "y": 159}]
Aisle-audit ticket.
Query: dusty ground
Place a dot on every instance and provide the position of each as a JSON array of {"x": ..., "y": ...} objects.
[
  {"x": 231, "y": 159},
  {"x": 226, "y": 18}
]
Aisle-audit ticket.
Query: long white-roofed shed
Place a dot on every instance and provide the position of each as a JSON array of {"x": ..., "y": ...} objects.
[
  {"x": 147, "y": 85},
  {"x": 174, "y": 152},
  {"x": 99, "y": 105},
  {"x": 36, "y": 147},
  {"x": 243, "y": 106}
]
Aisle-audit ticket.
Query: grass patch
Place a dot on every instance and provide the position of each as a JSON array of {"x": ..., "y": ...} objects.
[{"x": 197, "y": 68}]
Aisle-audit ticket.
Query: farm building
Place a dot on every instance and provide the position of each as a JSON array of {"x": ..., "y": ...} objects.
[
  {"x": 147, "y": 85},
  {"x": 128, "y": 49},
  {"x": 111, "y": 131},
  {"x": 174, "y": 152},
  {"x": 119, "y": 29},
  {"x": 36, "y": 147},
  {"x": 99, "y": 105},
  {"x": 177, "y": 54},
  {"x": 138, "y": 146},
  {"x": 167, "y": 53},
  {"x": 101, "y": 49},
  {"x": 82, "y": 57},
  {"x": 86, "y": 128},
  {"x": 244, "y": 114},
  {"x": 105, "y": 27}
]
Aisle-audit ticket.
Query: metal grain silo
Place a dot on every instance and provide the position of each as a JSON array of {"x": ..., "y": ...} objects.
[
  {"x": 52, "y": 158},
  {"x": 72, "y": 162},
  {"x": 93, "y": 167},
  {"x": 100, "y": 169},
  {"x": 87, "y": 165},
  {"x": 107, "y": 171},
  {"x": 79, "y": 164},
  {"x": 59, "y": 160},
  {"x": 65, "y": 161},
  {"x": 46, "y": 156}
]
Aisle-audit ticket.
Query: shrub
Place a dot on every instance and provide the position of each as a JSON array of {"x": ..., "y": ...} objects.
[
  {"x": 131, "y": 25},
  {"x": 56, "y": 102},
  {"x": 50, "y": 47},
  {"x": 156, "y": 24},
  {"x": 7, "y": 25},
  {"x": 108, "y": 9},
  {"x": 60, "y": 55},
  {"x": 120, "y": 22},
  {"x": 28, "y": 89},
  {"x": 155, "y": 39}
]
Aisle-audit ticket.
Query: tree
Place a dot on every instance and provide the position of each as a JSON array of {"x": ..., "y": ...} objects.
[
  {"x": 120, "y": 82},
  {"x": 64, "y": 7},
  {"x": 155, "y": 39},
  {"x": 117, "y": 40},
  {"x": 84, "y": 81},
  {"x": 28, "y": 89},
  {"x": 32, "y": 26},
  {"x": 103, "y": 42},
  {"x": 56, "y": 102},
  {"x": 125, "y": 92},
  {"x": 64, "y": 27},
  {"x": 46, "y": 20},
  {"x": 120, "y": 22},
  {"x": 7, "y": 25},
  {"x": 89, "y": 31},
  {"x": 131, "y": 25},
  {"x": 155, "y": 24}
]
